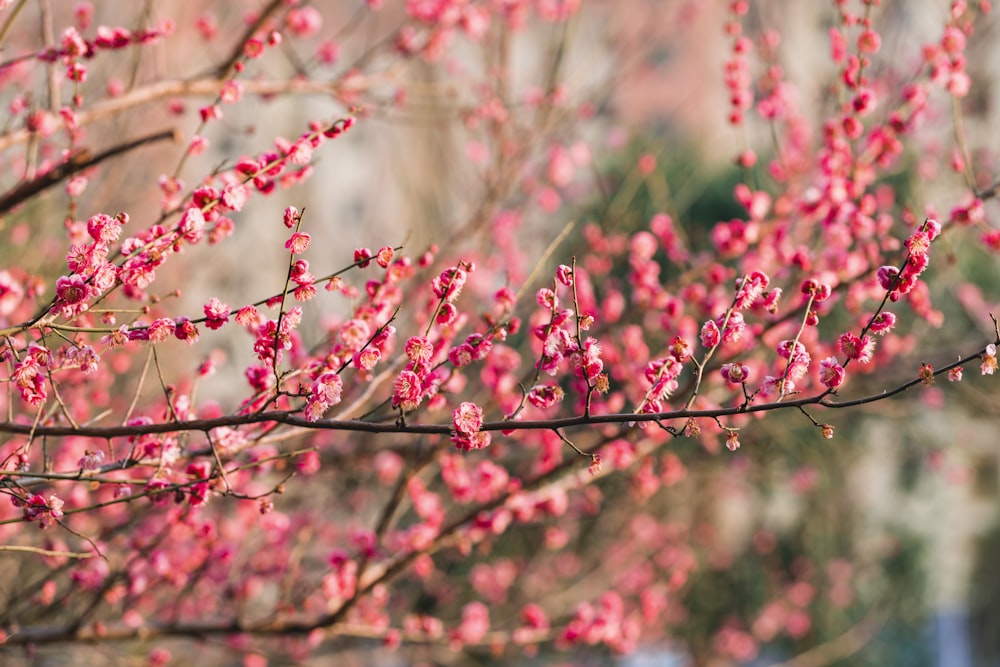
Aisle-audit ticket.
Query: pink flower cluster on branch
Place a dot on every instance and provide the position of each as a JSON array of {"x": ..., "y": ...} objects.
[{"x": 403, "y": 433}]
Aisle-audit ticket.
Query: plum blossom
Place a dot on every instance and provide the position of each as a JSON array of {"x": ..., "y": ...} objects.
[
  {"x": 710, "y": 334},
  {"x": 298, "y": 243},
  {"x": 407, "y": 391},
  {"x": 325, "y": 393},
  {"x": 216, "y": 314},
  {"x": 735, "y": 373},
  {"x": 831, "y": 373},
  {"x": 855, "y": 348},
  {"x": 989, "y": 357},
  {"x": 467, "y": 420}
]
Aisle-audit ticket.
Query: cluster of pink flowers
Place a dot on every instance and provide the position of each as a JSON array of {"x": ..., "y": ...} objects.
[
  {"x": 45, "y": 510},
  {"x": 74, "y": 48},
  {"x": 467, "y": 420},
  {"x": 611, "y": 342},
  {"x": 737, "y": 78}
]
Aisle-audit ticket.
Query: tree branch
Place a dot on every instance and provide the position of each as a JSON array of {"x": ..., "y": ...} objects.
[
  {"x": 76, "y": 162},
  {"x": 354, "y": 425}
]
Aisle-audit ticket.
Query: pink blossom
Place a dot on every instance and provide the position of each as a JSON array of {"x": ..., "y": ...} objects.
[
  {"x": 160, "y": 330},
  {"x": 860, "y": 349},
  {"x": 467, "y": 419},
  {"x": 989, "y": 360},
  {"x": 735, "y": 373},
  {"x": 185, "y": 330},
  {"x": 298, "y": 243},
  {"x": 303, "y": 21},
  {"x": 384, "y": 256},
  {"x": 325, "y": 393},
  {"x": 710, "y": 335},
  {"x": 590, "y": 359},
  {"x": 831, "y": 373},
  {"x": 419, "y": 349},
  {"x": 448, "y": 285},
  {"x": 407, "y": 391},
  {"x": 291, "y": 217},
  {"x": 72, "y": 290},
  {"x": 216, "y": 313},
  {"x": 366, "y": 359},
  {"x": 888, "y": 277},
  {"x": 211, "y": 112},
  {"x": 564, "y": 275},
  {"x": 461, "y": 356},
  {"x": 883, "y": 323}
]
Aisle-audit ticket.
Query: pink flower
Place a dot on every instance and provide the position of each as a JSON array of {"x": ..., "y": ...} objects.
[
  {"x": 72, "y": 290},
  {"x": 298, "y": 243},
  {"x": 192, "y": 225},
  {"x": 216, "y": 313},
  {"x": 384, "y": 256},
  {"x": 544, "y": 396},
  {"x": 732, "y": 441},
  {"x": 735, "y": 373},
  {"x": 770, "y": 302},
  {"x": 467, "y": 418},
  {"x": 888, "y": 277},
  {"x": 304, "y": 21},
  {"x": 989, "y": 365},
  {"x": 247, "y": 316},
  {"x": 479, "y": 440},
  {"x": 253, "y": 48},
  {"x": 92, "y": 460},
  {"x": 104, "y": 229},
  {"x": 869, "y": 41},
  {"x": 817, "y": 290},
  {"x": 198, "y": 145},
  {"x": 291, "y": 217},
  {"x": 446, "y": 314},
  {"x": 831, "y": 373},
  {"x": 160, "y": 330},
  {"x": 325, "y": 392},
  {"x": 735, "y": 326},
  {"x": 883, "y": 323},
  {"x": 710, "y": 335},
  {"x": 184, "y": 329},
  {"x": 419, "y": 350},
  {"x": 461, "y": 355},
  {"x": 853, "y": 347},
  {"x": 211, "y": 112},
  {"x": 751, "y": 288},
  {"x": 448, "y": 285},
  {"x": 234, "y": 196},
  {"x": 367, "y": 358},
  {"x": 589, "y": 359},
  {"x": 564, "y": 275},
  {"x": 406, "y": 391},
  {"x": 362, "y": 257}
]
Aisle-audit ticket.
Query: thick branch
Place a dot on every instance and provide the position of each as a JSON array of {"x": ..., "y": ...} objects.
[{"x": 75, "y": 163}]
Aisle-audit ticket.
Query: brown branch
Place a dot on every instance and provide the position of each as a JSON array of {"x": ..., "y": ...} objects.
[
  {"x": 47, "y": 552},
  {"x": 291, "y": 419},
  {"x": 252, "y": 29},
  {"x": 76, "y": 162}
]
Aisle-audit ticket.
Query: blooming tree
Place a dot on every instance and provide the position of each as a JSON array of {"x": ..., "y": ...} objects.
[{"x": 421, "y": 434}]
